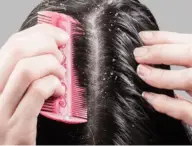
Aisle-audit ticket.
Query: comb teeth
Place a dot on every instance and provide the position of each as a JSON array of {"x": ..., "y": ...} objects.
[
  {"x": 49, "y": 106},
  {"x": 79, "y": 105},
  {"x": 44, "y": 19},
  {"x": 44, "y": 16},
  {"x": 47, "y": 110}
]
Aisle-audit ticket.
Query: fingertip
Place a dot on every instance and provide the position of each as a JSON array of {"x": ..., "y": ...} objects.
[
  {"x": 62, "y": 72},
  {"x": 60, "y": 91},
  {"x": 148, "y": 96},
  {"x": 155, "y": 101},
  {"x": 146, "y": 35},
  {"x": 140, "y": 52},
  {"x": 64, "y": 38},
  {"x": 60, "y": 56},
  {"x": 144, "y": 71},
  {"x": 59, "y": 34},
  {"x": 152, "y": 37},
  {"x": 143, "y": 94}
]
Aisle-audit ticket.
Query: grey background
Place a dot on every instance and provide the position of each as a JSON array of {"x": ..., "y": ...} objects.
[{"x": 172, "y": 15}]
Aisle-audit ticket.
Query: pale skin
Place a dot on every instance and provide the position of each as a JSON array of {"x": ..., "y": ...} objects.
[
  {"x": 170, "y": 49},
  {"x": 31, "y": 72}
]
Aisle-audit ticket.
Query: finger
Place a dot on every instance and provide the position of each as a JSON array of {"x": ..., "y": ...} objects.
[
  {"x": 27, "y": 71},
  {"x": 163, "y": 37},
  {"x": 176, "y": 108},
  {"x": 58, "y": 34},
  {"x": 32, "y": 45},
  {"x": 166, "y": 79},
  {"x": 180, "y": 54},
  {"x": 29, "y": 108},
  {"x": 32, "y": 102},
  {"x": 23, "y": 47},
  {"x": 45, "y": 36}
]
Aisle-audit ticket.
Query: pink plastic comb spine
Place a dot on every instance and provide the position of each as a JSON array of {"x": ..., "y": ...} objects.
[{"x": 69, "y": 70}]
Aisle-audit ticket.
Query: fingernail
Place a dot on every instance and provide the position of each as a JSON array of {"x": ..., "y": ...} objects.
[
  {"x": 146, "y": 35},
  {"x": 61, "y": 57},
  {"x": 62, "y": 91},
  {"x": 143, "y": 94},
  {"x": 63, "y": 72},
  {"x": 65, "y": 36},
  {"x": 143, "y": 70},
  {"x": 148, "y": 96},
  {"x": 138, "y": 52}
]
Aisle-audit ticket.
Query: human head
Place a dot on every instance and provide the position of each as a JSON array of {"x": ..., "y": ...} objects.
[{"x": 106, "y": 68}]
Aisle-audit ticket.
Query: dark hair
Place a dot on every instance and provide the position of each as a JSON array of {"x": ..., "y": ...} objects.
[{"x": 107, "y": 69}]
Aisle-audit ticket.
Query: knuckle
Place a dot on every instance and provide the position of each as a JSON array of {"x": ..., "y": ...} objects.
[
  {"x": 38, "y": 35},
  {"x": 24, "y": 70},
  {"x": 17, "y": 50},
  {"x": 41, "y": 35},
  {"x": 24, "y": 140},
  {"x": 38, "y": 89},
  {"x": 15, "y": 44},
  {"x": 46, "y": 40},
  {"x": 54, "y": 61},
  {"x": 55, "y": 81},
  {"x": 17, "y": 135},
  {"x": 50, "y": 44},
  {"x": 53, "y": 44}
]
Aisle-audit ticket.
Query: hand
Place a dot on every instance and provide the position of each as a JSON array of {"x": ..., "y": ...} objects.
[
  {"x": 169, "y": 49},
  {"x": 30, "y": 72}
]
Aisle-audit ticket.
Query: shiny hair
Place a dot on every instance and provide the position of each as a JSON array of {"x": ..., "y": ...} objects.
[{"x": 104, "y": 60}]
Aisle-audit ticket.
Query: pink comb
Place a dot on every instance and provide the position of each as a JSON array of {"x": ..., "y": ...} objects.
[{"x": 71, "y": 108}]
